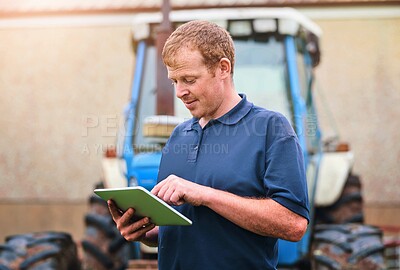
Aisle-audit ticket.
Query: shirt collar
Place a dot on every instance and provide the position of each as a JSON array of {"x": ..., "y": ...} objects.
[{"x": 230, "y": 118}]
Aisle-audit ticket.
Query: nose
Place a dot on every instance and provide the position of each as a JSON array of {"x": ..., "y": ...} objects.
[{"x": 180, "y": 90}]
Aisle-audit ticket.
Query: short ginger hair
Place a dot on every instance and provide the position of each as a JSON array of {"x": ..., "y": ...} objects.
[{"x": 212, "y": 41}]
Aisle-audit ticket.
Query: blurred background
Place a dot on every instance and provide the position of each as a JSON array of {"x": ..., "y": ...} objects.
[{"x": 65, "y": 73}]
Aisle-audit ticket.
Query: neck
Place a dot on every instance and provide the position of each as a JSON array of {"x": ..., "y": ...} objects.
[{"x": 231, "y": 101}]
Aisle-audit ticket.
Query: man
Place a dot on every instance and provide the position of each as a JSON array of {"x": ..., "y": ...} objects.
[{"x": 242, "y": 195}]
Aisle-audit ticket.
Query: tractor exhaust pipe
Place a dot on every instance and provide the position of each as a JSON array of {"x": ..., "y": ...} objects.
[{"x": 164, "y": 88}]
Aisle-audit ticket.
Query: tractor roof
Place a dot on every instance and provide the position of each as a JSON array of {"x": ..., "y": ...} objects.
[{"x": 290, "y": 20}]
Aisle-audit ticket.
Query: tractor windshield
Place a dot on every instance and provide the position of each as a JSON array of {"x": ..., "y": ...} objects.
[{"x": 260, "y": 73}]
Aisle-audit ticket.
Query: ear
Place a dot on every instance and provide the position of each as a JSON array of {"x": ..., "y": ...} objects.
[{"x": 225, "y": 68}]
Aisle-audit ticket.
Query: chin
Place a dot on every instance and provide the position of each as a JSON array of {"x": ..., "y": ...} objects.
[{"x": 195, "y": 115}]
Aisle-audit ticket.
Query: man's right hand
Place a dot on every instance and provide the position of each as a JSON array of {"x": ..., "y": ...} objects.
[{"x": 130, "y": 229}]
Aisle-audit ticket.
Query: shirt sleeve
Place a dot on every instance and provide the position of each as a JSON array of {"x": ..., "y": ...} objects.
[{"x": 285, "y": 179}]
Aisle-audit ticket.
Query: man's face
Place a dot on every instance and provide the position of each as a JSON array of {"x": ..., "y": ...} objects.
[{"x": 202, "y": 92}]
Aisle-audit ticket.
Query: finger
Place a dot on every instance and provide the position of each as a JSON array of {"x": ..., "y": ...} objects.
[
  {"x": 114, "y": 210},
  {"x": 167, "y": 196},
  {"x": 147, "y": 227},
  {"x": 139, "y": 233},
  {"x": 127, "y": 217},
  {"x": 157, "y": 187},
  {"x": 177, "y": 199},
  {"x": 135, "y": 230},
  {"x": 163, "y": 190}
]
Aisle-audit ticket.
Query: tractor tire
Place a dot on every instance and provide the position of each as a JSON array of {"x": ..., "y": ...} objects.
[
  {"x": 347, "y": 209},
  {"x": 39, "y": 251},
  {"x": 347, "y": 246},
  {"x": 103, "y": 246}
]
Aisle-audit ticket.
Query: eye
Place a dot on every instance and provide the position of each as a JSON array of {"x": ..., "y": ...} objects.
[
  {"x": 189, "y": 81},
  {"x": 173, "y": 82}
]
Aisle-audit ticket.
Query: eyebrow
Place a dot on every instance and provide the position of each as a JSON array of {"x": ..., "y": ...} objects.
[{"x": 184, "y": 77}]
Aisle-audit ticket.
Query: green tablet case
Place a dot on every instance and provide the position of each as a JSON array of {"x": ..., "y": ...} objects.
[{"x": 145, "y": 204}]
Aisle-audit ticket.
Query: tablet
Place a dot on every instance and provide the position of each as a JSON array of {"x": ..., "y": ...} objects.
[{"x": 145, "y": 204}]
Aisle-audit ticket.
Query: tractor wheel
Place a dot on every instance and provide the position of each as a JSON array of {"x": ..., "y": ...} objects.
[
  {"x": 347, "y": 209},
  {"x": 103, "y": 246},
  {"x": 347, "y": 246},
  {"x": 36, "y": 251}
]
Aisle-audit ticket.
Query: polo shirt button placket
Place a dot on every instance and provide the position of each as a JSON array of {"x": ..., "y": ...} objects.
[
  {"x": 196, "y": 151},
  {"x": 193, "y": 152}
]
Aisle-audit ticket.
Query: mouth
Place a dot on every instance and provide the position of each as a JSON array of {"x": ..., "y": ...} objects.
[{"x": 189, "y": 104}]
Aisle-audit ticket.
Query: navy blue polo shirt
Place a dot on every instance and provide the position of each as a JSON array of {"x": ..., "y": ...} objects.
[{"x": 249, "y": 151}]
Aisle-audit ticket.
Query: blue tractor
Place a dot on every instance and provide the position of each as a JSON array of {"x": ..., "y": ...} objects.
[{"x": 277, "y": 50}]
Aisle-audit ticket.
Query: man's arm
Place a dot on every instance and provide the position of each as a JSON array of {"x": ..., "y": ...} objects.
[{"x": 262, "y": 216}]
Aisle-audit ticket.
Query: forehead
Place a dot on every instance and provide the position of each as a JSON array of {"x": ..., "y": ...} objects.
[{"x": 185, "y": 60}]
